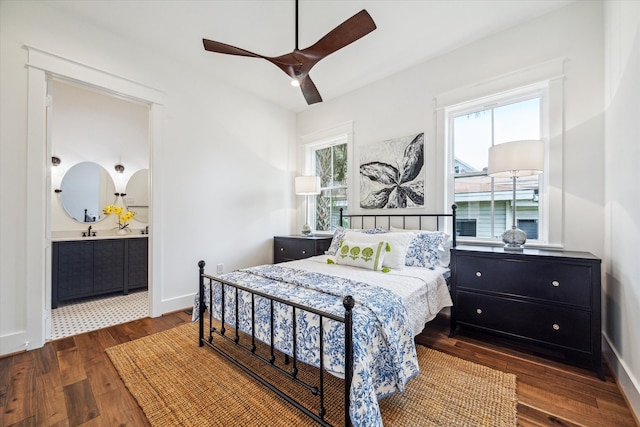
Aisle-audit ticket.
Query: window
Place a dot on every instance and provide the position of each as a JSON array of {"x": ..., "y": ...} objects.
[
  {"x": 466, "y": 227},
  {"x": 331, "y": 165},
  {"x": 485, "y": 208},
  {"x": 529, "y": 226}
]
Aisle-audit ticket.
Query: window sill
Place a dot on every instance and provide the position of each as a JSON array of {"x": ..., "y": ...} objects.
[{"x": 528, "y": 245}]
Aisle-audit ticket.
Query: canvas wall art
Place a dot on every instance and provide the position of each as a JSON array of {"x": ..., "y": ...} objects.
[{"x": 391, "y": 173}]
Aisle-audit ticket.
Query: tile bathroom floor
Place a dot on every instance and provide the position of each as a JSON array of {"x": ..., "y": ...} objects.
[{"x": 89, "y": 314}]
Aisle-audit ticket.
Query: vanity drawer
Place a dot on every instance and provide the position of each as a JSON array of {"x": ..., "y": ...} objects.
[
  {"x": 550, "y": 324},
  {"x": 557, "y": 282}
]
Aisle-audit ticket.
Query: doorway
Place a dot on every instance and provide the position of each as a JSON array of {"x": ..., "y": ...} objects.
[
  {"x": 42, "y": 66},
  {"x": 100, "y": 152}
]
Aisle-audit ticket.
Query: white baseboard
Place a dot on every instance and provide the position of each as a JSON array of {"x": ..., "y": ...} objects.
[
  {"x": 173, "y": 304},
  {"x": 628, "y": 384}
]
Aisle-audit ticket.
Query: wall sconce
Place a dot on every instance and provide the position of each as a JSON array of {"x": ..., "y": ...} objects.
[
  {"x": 307, "y": 186},
  {"x": 57, "y": 172},
  {"x": 119, "y": 179}
]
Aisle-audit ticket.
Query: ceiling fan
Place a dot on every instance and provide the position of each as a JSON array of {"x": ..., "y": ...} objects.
[{"x": 298, "y": 63}]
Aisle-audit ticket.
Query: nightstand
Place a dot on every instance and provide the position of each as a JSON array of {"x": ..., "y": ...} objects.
[
  {"x": 289, "y": 248},
  {"x": 548, "y": 300}
]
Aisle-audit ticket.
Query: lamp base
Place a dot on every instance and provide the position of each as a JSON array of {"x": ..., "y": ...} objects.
[
  {"x": 306, "y": 230},
  {"x": 513, "y": 239}
]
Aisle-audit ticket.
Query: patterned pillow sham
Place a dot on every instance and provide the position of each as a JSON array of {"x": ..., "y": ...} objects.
[
  {"x": 424, "y": 249},
  {"x": 363, "y": 255},
  {"x": 338, "y": 235},
  {"x": 444, "y": 250}
]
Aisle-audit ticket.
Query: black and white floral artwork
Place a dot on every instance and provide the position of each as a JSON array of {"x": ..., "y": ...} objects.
[{"x": 391, "y": 173}]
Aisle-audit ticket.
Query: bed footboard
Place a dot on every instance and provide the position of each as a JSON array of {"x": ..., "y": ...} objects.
[{"x": 319, "y": 390}]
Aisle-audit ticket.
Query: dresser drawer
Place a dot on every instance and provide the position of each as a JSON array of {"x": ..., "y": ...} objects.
[
  {"x": 293, "y": 248},
  {"x": 557, "y": 282},
  {"x": 559, "y": 326},
  {"x": 289, "y": 248}
]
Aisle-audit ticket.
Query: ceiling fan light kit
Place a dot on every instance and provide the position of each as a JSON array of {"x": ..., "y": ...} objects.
[{"x": 298, "y": 63}]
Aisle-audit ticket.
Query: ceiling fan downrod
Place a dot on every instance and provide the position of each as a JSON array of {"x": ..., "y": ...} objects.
[{"x": 297, "y": 26}]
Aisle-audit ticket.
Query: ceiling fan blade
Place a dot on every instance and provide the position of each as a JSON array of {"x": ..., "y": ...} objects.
[
  {"x": 298, "y": 63},
  {"x": 310, "y": 91},
  {"x": 354, "y": 28},
  {"x": 213, "y": 46}
]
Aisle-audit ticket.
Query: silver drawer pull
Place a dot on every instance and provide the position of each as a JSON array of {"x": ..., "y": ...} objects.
[
  {"x": 555, "y": 283},
  {"x": 556, "y": 327},
  {"x": 281, "y": 249},
  {"x": 304, "y": 252},
  {"x": 478, "y": 274},
  {"x": 479, "y": 310}
]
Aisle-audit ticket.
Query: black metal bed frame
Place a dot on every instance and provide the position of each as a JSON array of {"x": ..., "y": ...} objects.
[
  {"x": 348, "y": 303},
  {"x": 419, "y": 217}
]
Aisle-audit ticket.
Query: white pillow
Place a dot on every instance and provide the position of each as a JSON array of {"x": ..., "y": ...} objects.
[
  {"x": 398, "y": 243},
  {"x": 363, "y": 255}
]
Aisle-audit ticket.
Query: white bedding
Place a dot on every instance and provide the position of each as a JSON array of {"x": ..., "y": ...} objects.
[{"x": 423, "y": 291}]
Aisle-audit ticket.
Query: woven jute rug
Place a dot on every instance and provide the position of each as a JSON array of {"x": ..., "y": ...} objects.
[{"x": 178, "y": 383}]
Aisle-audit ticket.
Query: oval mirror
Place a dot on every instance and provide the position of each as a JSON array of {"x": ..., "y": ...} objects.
[
  {"x": 86, "y": 189},
  {"x": 137, "y": 198}
]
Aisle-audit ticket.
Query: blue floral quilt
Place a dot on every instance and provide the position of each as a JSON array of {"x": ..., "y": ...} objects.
[{"x": 384, "y": 350}]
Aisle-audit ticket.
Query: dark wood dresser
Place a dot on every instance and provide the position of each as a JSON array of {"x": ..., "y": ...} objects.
[
  {"x": 548, "y": 300},
  {"x": 289, "y": 248}
]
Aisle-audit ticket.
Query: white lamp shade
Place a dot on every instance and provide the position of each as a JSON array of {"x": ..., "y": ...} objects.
[
  {"x": 516, "y": 158},
  {"x": 307, "y": 185}
]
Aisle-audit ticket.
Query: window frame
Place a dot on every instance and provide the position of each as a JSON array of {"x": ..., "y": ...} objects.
[
  {"x": 342, "y": 134},
  {"x": 539, "y": 90}
]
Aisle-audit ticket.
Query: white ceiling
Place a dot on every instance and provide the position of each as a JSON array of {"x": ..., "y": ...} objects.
[{"x": 408, "y": 33}]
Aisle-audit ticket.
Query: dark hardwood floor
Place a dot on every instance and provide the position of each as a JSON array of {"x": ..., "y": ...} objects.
[
  {"x": 550, "y": 393},
  {"x": 71, "y": 382}
]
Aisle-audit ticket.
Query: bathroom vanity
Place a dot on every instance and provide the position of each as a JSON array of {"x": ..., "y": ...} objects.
[{"x": 92, "y": 266}]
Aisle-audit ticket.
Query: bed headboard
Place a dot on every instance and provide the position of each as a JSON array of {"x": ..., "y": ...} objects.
[{"x": 404, "y": 221}]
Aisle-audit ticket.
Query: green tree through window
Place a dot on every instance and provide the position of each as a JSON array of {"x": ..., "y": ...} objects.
[{"x": 331, "y": 165}]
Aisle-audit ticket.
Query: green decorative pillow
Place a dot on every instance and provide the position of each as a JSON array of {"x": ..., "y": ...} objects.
[
  {"x": 398, "y": 244},
  {"x": 363, "y": 255}
]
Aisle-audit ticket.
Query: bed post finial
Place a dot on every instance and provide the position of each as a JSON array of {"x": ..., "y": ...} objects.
[{"x": 348, "y": 302}]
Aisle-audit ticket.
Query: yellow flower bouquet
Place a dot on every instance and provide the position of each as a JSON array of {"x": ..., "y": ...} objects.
[{"x": 123, "y": 216}]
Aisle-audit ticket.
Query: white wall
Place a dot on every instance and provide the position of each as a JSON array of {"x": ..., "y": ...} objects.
[
  {"x": 403, "y": 104},
  {"x": 622, "y": 176},
  {"x": 223, "y": 167}
]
